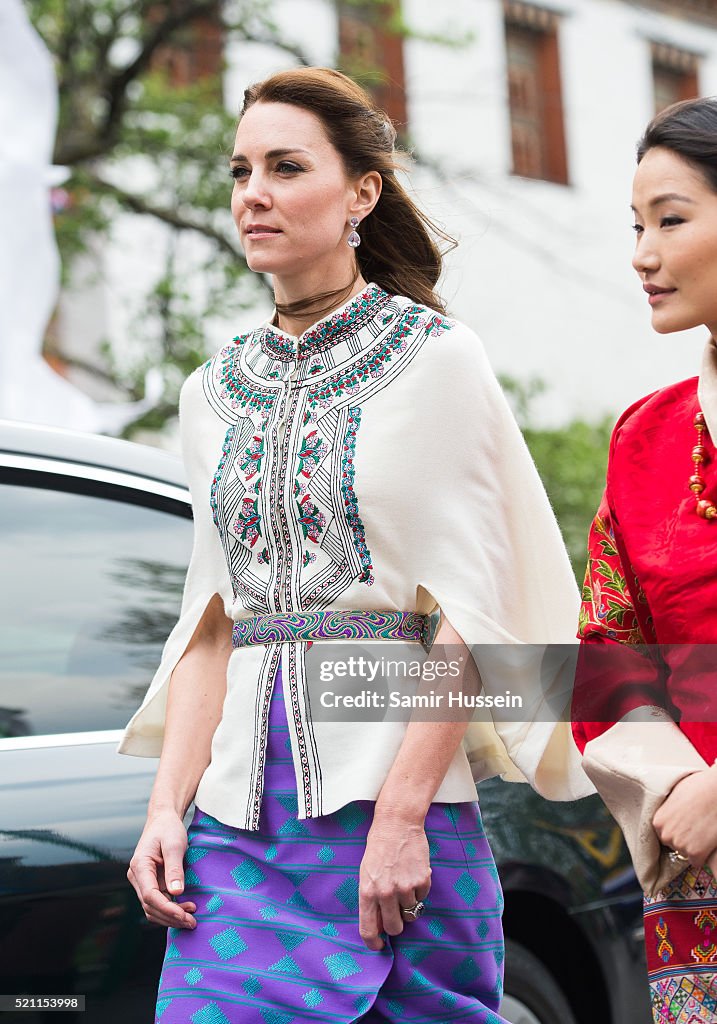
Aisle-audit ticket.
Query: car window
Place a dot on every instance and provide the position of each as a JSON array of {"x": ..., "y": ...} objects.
[{"x": 90, "y": 586}]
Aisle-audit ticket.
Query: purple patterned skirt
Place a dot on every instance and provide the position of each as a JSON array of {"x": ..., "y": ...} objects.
[{"x": 277, "y": 935}]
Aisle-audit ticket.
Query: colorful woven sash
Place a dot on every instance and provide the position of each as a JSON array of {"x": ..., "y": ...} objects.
[{"x": 289, "y": 627}]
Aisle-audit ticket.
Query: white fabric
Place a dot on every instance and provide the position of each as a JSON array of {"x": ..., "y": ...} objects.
[
  {"x": 707, "y": 386},
  {"x": 29, "y": 260},
  {"x": 635, "y": 765},
  {"x": 454, "y": 515}
]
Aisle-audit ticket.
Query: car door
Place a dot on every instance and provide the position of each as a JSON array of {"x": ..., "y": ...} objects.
[{"x": 93, "y": 563}]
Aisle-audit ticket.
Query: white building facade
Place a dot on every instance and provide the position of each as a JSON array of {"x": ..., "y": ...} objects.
[{"x": 542, "y": 271}]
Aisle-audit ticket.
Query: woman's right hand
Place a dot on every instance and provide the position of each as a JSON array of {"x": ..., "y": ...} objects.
[
  {"x": 156, "y": 870},
  {"x": 687, "y": 820}
]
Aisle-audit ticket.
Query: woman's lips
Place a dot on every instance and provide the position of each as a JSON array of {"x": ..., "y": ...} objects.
[
  {"x": 262, "y": 231},
  {"x": 654, "y": 297},
  {"x": 655, "y": 293}
]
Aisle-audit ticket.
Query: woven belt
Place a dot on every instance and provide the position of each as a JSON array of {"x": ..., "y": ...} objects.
[{"x": 289, "y": 627}]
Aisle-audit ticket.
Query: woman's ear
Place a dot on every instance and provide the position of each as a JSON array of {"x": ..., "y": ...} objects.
[{"x": 367, "y": 191}]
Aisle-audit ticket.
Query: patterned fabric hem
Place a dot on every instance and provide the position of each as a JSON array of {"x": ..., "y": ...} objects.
[{"x": 681, "y": 946}]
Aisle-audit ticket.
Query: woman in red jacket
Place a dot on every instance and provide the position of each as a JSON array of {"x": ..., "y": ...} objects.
[{"x": 652, "y": 580}]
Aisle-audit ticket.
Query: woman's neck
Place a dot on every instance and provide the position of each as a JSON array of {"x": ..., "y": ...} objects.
[{"x": 296, "y": 323}]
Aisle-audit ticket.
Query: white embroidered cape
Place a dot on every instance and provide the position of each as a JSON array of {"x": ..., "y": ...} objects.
[{"x": 380, "y": 469}]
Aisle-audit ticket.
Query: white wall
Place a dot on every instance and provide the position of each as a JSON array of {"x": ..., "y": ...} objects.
[{"x": 543, "y": 271}]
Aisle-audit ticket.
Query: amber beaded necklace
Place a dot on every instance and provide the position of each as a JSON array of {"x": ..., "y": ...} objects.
[{"x": 704, "y": 508}]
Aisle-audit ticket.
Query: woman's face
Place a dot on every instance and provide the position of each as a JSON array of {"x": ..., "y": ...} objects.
[
  {"x": 676, "y": 250},
  {"x": 292, "y": 199}
]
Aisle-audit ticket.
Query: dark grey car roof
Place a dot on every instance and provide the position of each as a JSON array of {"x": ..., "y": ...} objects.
[{"x": 90, "y": 449}]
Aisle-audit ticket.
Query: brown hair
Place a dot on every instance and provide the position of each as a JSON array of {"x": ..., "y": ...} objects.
[
  {"x": 398, "y": 249},
  {"x": 688, "y": 129}
]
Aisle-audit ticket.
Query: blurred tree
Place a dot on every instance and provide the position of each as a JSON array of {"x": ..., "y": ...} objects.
[
  {"x": 571, "y": 461},
  {"x": 143, "y": 129}
]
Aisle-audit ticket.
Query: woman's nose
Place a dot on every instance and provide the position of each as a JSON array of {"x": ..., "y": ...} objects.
[
  {"x": 645, "y": 258},
  {"x": 255, "y": 192}
]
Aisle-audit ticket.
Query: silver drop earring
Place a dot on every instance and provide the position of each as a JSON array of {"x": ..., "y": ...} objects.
[{"x": 354, "y": 239}]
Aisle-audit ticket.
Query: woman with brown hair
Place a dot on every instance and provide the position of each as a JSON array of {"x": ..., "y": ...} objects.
[
  {"x": 645, "y": 709},
  {"x": 355, "y": 472}
]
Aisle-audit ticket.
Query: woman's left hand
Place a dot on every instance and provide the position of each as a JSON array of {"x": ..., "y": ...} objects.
[
  {"x": 687, "y": 820},
  {"x": 395, "y": 872}
]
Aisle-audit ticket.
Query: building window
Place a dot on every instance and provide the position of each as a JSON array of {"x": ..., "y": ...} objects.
[
  {"x": 534, "y": 92},
  {"x": 674, "y": 75},
  {"x": 196, "y": 52},
  {"x": 371, "y": 51}
]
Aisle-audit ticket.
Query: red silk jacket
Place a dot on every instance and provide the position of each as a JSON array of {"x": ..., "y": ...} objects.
[{"x": 652, "y": 578}]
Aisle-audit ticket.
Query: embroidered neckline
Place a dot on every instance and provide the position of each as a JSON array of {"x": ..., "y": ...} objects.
[{"x": 327, "y": 332}]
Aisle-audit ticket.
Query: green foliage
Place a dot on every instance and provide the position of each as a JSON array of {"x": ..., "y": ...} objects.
[
  {"x": 571, "y": 461},
  {"x": 88, "y": 217}
]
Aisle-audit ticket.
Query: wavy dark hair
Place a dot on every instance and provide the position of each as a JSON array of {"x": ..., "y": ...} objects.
[
  {"x": 688, "y": 129},
  {"x": 399, "y": 244}
]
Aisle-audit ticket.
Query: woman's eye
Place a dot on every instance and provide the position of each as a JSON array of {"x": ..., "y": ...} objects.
[
  {"x": 287, "y": 167},
  {"x": 669, "y": 222},
  {"x": 238, "y": 172},
  {"x": 637, "y": 228}
]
